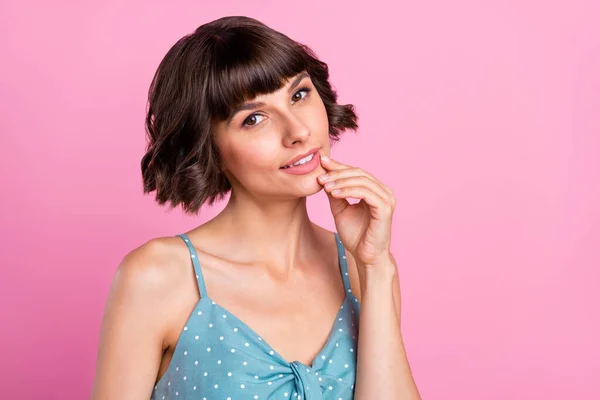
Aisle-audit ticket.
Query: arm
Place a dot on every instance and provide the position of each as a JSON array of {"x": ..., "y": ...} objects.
[
  {"x": 365, "y": 230},
  {"x": 131, "y": 345},
  {"x": 383, "y": 371}
]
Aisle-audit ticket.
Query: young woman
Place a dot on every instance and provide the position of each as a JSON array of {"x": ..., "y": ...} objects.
[{"x": 258, "y": 302}]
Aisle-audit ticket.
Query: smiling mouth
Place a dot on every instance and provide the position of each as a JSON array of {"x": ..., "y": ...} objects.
[{"x": 304, "y": 160}]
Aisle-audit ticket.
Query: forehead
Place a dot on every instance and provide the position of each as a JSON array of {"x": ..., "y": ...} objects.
[{"x": 286, "y": 84}]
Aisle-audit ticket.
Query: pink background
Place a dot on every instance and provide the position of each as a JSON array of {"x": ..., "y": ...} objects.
[{"x": 483, "y": 116}]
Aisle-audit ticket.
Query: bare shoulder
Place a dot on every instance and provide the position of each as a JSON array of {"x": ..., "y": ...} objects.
[
  {"x": 147, "y": 287},
  {"x": 151, "y": 269},
  {"x": 148, "y": 280}
]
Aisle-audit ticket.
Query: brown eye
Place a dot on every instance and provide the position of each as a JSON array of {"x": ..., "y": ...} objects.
[
  {"x": 252, "y": 120},
  {"x": 298, "y": 95}
]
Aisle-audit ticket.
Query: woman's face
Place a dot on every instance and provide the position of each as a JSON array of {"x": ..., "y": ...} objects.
[{"x": 270, "y": 131}]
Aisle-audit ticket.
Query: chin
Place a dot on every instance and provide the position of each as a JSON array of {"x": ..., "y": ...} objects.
[
  {"x": 310, "y": 188},
  {"x": 305, "y": 185},
  {"x": 316, "y": 190}
]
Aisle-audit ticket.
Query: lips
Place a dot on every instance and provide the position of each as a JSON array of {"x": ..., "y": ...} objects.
[{"x": 300, "y": 157}]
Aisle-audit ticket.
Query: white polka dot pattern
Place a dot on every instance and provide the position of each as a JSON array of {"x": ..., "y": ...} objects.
[{"x": 218, "y": 356}]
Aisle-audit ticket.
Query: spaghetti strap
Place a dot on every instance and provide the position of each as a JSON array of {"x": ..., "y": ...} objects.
[
  {"x": 196, "y": 263},
  {"x": 242, "y": 364},
  {"x": 343, "y": 263}
]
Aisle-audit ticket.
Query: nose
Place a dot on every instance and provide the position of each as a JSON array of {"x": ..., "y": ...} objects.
[{"x": 295, "y": 131}]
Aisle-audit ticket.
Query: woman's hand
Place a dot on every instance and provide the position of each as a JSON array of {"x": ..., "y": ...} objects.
[{"x": 365, "y": 227}]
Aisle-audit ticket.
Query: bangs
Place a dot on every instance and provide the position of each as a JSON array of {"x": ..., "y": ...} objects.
[
  {"x": 205, "y": 76},
  {"x": 245, "y": 66}
]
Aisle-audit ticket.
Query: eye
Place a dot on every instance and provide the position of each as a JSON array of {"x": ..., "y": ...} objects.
[
  {"x": 295, "y": 97},
  {"x": 251, "y": 120}
]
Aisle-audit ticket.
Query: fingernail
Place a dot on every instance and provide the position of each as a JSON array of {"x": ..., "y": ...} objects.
[
  {"x": 323, "y": 177},
  {"x": 324, "y": 157},
  {"x": 336, "y": 191},
  {"x": 329, "y": 185}
]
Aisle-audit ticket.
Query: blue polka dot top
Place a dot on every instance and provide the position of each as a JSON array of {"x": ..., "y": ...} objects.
[{"x": 219, "y": 357}]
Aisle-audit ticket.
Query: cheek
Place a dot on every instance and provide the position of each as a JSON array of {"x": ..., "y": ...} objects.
[
  {"x": 319, "y": 120},
  {"x": 252, "y": 156}
]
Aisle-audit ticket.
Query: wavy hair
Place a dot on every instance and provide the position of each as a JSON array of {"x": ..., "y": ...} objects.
[{"x": 204, "y": 77}]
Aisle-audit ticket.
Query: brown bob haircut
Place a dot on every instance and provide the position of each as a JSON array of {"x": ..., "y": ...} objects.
[{"x": 205, "y": 76}]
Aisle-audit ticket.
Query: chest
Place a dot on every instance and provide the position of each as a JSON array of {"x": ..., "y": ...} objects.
[
  {"x": 217, "y": 355},
  {"x": 295, "y": 320},
  {"x": 295, "y": 314}
]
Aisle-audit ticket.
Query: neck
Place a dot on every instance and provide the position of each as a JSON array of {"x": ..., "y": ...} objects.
[{"x": 277, "y": 233}]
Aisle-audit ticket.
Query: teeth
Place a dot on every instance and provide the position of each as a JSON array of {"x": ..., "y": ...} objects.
[
  {"x": 304, "y": 160},
  {"x": 301, "y": 161}
]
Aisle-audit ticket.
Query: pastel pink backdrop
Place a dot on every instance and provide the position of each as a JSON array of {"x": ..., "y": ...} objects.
[{"x": 482, "y": 116}]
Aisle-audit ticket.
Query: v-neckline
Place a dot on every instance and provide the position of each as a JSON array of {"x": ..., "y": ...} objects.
[
  {"x": 347, "y": 292},
  {"x": 330, "y": 335}
]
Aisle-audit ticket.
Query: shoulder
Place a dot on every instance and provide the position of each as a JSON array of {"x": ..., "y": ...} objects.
[
  {"x": 149, "y": 279},
  {"x": 152, "y": 266},
  {"x": 141, "y": 309}
]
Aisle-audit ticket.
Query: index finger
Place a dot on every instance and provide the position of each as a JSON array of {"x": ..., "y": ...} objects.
[{"x": 330, "y": 164}]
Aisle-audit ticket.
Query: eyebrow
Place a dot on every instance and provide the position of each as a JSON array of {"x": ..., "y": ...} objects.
[{"x": 257, "y": 104}]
